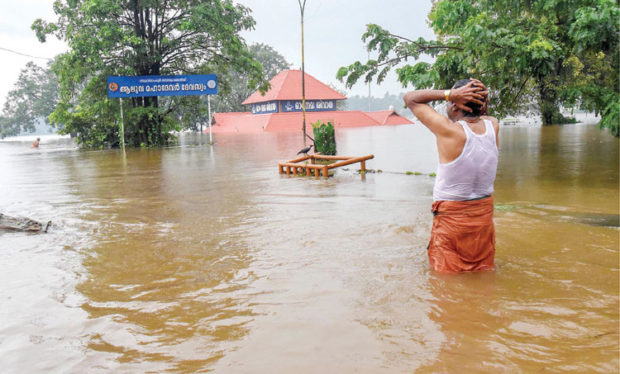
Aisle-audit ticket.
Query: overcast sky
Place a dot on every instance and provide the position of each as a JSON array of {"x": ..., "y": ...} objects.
[{"x": 332, "y": 33}]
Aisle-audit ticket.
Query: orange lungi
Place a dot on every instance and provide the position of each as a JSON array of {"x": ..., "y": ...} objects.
[{"x": 463, "y": 236}]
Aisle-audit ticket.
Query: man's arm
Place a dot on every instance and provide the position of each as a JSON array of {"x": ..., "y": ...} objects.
[{"x": 417, "y": 102}]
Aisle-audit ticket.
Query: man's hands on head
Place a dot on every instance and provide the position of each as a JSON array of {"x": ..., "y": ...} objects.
[{"x": 474, "y": 91}]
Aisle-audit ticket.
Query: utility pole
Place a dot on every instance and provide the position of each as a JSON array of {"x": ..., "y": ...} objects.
[
  {"x": 210, "y": 119},
  {"x": 122, "y": 126},
  {"x": 369, "y": 84},
  {"x": 302, "y": 7}
]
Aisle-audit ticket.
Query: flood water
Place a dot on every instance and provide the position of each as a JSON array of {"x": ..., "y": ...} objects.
[{"x": 203, "y": 258}]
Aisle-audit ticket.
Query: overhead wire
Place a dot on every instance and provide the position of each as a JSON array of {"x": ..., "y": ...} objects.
[{"x": 24, "y": 54}]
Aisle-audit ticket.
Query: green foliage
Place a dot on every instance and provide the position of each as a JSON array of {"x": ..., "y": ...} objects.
[
  {"x": 324, "y": 138},
  {"x": 33, "y": 99},
  {"x": 146, "y": 37},
  {"x": 192, "y": 111},
  {"x": 533, "y": 54}
]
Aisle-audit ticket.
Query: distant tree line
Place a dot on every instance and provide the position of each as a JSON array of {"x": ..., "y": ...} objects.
[
  {"x": 32, "y": 100},
  {"x": 357, "y": 102}
]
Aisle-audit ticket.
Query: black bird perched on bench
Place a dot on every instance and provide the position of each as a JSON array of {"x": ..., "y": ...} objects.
[{"x": 306, "y": 150}]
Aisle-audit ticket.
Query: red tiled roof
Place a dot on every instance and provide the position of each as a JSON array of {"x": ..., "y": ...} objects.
[
  {"x": 286, "y": 85},
  {"x": 277, "y": 122},
  {"x": 388, "y": 117},
  {"x": 239, "y": 122},
  {"x": 340, "y": 119}
]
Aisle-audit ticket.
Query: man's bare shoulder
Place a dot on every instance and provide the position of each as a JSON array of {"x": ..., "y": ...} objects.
[
  {"x": 493, "y": 120},
  {"x": 439, "y": 125},
  {"x": 453, "y": 130}
]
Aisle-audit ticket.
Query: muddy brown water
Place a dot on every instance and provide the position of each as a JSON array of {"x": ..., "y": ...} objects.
[{"x": 198, "y": 258}]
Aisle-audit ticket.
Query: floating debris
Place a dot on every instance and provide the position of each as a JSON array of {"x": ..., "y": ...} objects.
[{"x": 22, "y": 224}]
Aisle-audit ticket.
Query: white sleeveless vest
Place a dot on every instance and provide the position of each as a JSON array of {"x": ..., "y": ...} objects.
[{"x": 472, "y": 174}]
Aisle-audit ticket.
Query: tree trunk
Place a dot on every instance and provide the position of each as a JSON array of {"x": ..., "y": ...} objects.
[
  {"x": 149, "y": 123},
  {"x": 549, "y": 110}
]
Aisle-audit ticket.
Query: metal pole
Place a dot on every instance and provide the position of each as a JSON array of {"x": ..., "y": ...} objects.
[
  {"x": 303, "y": 71},
  {"x": 369, "y": 86},
  {"x": 209, "y": 111},
  {"x": 122, "y": 127}
]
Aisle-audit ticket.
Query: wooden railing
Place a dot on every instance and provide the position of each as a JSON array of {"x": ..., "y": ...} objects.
[{"x": 294, "y": 167}]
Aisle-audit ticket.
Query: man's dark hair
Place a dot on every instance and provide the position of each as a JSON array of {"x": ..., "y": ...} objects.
[{"x": 476, "y": 108}]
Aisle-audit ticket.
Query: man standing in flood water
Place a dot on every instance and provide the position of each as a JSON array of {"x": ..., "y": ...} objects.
[{"x": 463, "y": 235}]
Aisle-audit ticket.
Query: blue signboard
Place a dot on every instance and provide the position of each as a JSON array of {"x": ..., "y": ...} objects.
[
  {"x": 263, "y": 108},
  {"x": 162, "y": 85},
  {"x": 311, "y": 105}
]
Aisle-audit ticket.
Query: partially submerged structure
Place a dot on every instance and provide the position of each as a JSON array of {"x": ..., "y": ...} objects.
[
  {"x": 280, "y": 109},
  {"x": 296, "y": 167}
]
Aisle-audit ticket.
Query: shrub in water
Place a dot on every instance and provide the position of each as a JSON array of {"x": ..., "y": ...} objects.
[{"x": 324, "y": 138}]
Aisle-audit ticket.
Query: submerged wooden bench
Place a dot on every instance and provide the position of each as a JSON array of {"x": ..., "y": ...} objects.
[{"x": 294, "y": 166}]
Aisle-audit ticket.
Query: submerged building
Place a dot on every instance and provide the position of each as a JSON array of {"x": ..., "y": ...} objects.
[{"x": 280, "y": 109}]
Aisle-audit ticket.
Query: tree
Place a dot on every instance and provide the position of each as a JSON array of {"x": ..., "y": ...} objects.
[
  {"x": 141, "y": 37},
  {"x": 535, "y": 54},
  {"x": 235, "y": 88},
  {"x": 33, "y": 99}
]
